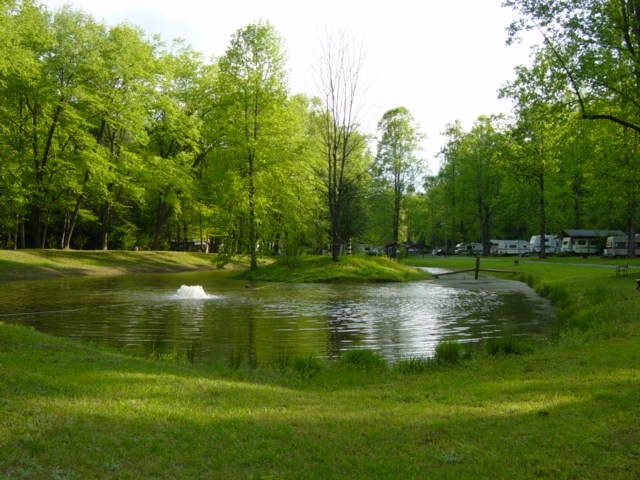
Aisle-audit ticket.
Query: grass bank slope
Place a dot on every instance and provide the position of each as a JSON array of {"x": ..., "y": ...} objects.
[
  {"x": 568, "y": 410},
  {"x": 346, "y": 269},
  {"x": 36, "y": 264}
]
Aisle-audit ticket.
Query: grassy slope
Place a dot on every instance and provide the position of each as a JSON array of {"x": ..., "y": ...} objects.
[
  {"x": 35, "y": 264},
  {"x": 347, "y": 269},
  {"x": 569, "y": 410}
]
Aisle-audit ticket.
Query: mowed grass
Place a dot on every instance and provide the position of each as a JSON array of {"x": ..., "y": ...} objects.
[
  {"x": 567, "y": 410},
  {"x": 36, "y": 264},
  {"x": 312, "y": 269}
]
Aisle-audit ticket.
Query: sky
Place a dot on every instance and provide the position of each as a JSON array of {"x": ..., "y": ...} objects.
[{"x": 444, "y": 60}]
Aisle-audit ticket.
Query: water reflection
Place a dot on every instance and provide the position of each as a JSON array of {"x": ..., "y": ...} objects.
[{"x": 225, "y": 322}]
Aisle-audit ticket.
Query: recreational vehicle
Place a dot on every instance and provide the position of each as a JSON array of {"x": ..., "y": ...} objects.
[
  {"x": 585, "y": 242},
  {"x": 618, "y": 246},
  {"x": 468, "y": 249},
  {"x": 551, "y": 244},
  {"x": 509, "y": 247}
]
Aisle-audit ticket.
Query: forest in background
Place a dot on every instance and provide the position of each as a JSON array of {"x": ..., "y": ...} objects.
[{"x": 111, "y": 139}]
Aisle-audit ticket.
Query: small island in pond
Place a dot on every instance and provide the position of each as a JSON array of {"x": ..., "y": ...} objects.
[{"x": 321, "y": 269}]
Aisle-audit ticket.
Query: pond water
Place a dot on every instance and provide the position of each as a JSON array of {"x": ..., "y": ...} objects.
[{"x": 209, "y": 317}]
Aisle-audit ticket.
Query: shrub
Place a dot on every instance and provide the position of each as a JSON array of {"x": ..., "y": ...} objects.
[
  {"x": 367, "y": 360},
  {"x": 449, "y": 352},
  {"x": 507, "y": 346},
  {"x": 408, "y": 366},
  {"x": 307, "y": 367}
]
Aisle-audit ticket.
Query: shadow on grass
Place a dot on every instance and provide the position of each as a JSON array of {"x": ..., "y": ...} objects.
[
  {"x": 69, "y": 411},
  {"x": 37, "y": 264}
]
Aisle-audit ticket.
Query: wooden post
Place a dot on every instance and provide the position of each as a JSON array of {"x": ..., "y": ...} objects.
[{"x": 477, "y": 267}]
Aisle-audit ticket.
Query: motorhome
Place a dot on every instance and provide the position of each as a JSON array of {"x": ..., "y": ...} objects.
[
  {"x": 585, "y": 242},
  {"x": 468, "y": 249},
  {"x": 618, "y": 246},
  {"x": 509, "y": 247},
  {"x": 551, "y": 244}
]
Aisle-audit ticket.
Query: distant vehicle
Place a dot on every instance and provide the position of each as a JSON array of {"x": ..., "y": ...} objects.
[
  {"x": 552, "y": 244},
  {"x": 509, "y": 247},
  {"x": 366, "y": 249},
  {"x": 586, "y": 242},
  {"x": 468, "y": 249},
  {"x": 618, "y": 246}
]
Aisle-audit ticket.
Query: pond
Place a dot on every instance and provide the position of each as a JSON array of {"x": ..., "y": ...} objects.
[{"x": 217, "y": 319}]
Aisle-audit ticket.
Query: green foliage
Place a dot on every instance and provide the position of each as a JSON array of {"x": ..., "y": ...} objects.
[
  {"x": 111, "y": 138},
  {"x": 396, "y": 165},
  {"x": 365, "y": 360},
  {"x": 450, "y": 352},
  {"x": 413, "y": 365},
  {"x": 307, "y": 367},
  {"x": 507, "y": 346}
]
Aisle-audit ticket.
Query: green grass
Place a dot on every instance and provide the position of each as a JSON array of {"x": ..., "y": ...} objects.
[
  {"x": 567, "y": 409},
  {"x": 346, "y": 269},
  {"x": 36, "y": 264}
]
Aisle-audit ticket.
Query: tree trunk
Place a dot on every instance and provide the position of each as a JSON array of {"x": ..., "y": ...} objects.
[
  {"x": 631, "y": 227},
  {"x": 543, "y": 218},
  {"x": 106, "y": 226},
  {"x": 253, "y": 237},
  {"x": 163, "y": 211},
  {"x": 397, "y": 200}
]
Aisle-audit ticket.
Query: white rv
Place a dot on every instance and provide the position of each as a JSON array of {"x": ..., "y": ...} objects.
[
  {"x": 468, "y": 249},
  {"x": 551, "y": 244},
  {"x": 585, "y": 242},
  {"x": 618, "y": 246},
  {"x": 509, "y": 247},
  {"x": 580, "y": 246}
]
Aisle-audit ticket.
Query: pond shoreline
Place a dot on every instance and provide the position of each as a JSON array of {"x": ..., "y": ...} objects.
[
  {"x": 37, "y": 264},
  {"x": 568, "y": 409}
]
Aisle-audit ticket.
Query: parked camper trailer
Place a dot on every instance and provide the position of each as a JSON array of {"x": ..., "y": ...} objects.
[
  {"x": 585, "y": 242},
  {"x": 580, "y": 246},
  {"x": 551, "y": 244},
  {"x": 509, "y": 247},
  {"x": 618, "y": 246},
  {"x": 468, "y": 249}
]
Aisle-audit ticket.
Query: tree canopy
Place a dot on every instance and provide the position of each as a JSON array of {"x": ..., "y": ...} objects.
[{"x": 113, "y": 139}]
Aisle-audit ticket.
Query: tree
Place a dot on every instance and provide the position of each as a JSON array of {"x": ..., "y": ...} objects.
[
  {"x": 116, "y": 113},
  {"x": 589, "y": 63},
  {"x": 48, "y": 107},
  {"x": 252, "y": 96},
  {"x": 294, "y": 215},
  {"x": 590, "y": 50},
  {"x": 471, "y": 179},
  {"x": 395, "y": 164},
  {"x": 536, "y": 134},
  {"x": 536, "y": 156},
  {"x": 484, "y": 148},
  {"x": 611, "y": 175},
  {"x": 338, "y": 79},
  {"x": 174, "y": 141},
  {"x": 24, "y": 29}
]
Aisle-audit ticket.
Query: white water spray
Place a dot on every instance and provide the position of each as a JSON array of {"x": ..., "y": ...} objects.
[{"x": 192, "y": 292}]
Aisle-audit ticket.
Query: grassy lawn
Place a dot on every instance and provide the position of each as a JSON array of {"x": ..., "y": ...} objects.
[
  {"x": 567, "y": 410},
  {"x": 347, "y": 269},
  {"x": 36, "y": 264}
]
